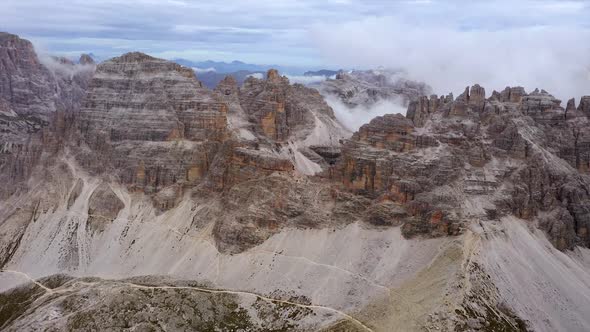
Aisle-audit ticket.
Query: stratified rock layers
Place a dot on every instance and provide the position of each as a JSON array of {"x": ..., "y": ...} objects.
[
  {"x": 454, "y": 161},
  {"x": 279, "y": 110},
  {"x": 36, "y": 98},
  {"x": 151, "y": 122},
  {"x": 252, "y": 188}
]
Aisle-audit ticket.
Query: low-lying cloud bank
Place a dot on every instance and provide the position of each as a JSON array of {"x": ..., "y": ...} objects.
[
  {"x": 354, "y": 117},
  {"x": 300, "y": 79},
  {"x": 259, "y": 76},
  {"x": 203, "y": 70},
  {"x": 307, "y": 80},
  {"x": 449, "y": 56},
  {"x": 66, "y": 70}
]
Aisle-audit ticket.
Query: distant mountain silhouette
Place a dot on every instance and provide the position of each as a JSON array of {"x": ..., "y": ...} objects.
[
  {"x": 322, "y": 72},
  {"x": 211, "y": 78},
  {"x": 236, "y": 66}
]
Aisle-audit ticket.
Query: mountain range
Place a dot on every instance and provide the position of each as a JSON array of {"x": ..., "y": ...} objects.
[{"x": 135, "y": 198}]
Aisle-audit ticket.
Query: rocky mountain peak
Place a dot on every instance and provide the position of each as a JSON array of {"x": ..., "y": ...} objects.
[
  {"x": 36, "y": 88},
  {"x": 134, "y": 57},
  {"x": 584, "y": 106},
  {"x": 272, "y": 75},
  {"x": 257, "y": 196},
  {"x": 511, "y": 94},
  {"x": 134, "y": 62},
  {"x": 477, "y": 94},
  {"x": 86, "y": 59},
  {"x": 474, "y": 94},
  {"x": 391, "y": 131},
  {"x": 571, "y": 105},
  {"x": 9, "y": 40},
  {"x": 18, "y": 57},
  {"x": 281, "y": 111},
  {"x": 473, "y": 131},
  {"x": 227, "y": 86}
]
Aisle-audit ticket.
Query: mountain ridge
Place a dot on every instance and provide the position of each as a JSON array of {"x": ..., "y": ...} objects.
[{"x": 258, "y": 190}]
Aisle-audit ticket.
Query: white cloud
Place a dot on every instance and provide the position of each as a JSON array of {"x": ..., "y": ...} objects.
[
  {"x": 354, "y": 117},
  {"x": 203, "y": 70},
  {"x": 430, "y": 36},
  {"x": 306, "y": 80},
  {"x": 257, "y": 75},
  {"x": 63, "y": 69},
  {"x": 449, "y": 57}
]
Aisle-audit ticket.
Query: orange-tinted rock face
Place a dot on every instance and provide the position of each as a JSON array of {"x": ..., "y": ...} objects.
[
  {"x": 195, "y": 173},
  {"x": 269, "y": 121},
  {"x": 401, "y": 192},
  {"x": 243, "y": 164},
  {"x": 391, "y": 132},
  {"x": 359, "y": 175},
  {"x": 278, "y": 109},
  {"x": 365, "y": 166}
]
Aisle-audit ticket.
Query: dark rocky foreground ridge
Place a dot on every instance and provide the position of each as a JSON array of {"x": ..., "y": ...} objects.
[{"x": 121, "y": 168}]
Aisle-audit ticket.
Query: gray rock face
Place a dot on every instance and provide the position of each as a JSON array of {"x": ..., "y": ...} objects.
[
  {"x": 238, "y": 121},
  {"x": 85, "y": 59},
  {"x": 216, "y": 176},
  {"x": 26, "y": 84},
  {"x": 26, "y": 104},
  {"x": 392, "y": 132},
  {"x": 104, "y": 206},
  {"x": 510, "y": 94},
  {"x": 275, "y": 120},
  {"x": 421, "y": 109},
  {"x": 33, "y": 93},
  {"x": 150, "y": 122},
  {"x": 365, "y": 88},
  {"x": 39, "y": 88},
  {"x": 542, "y": 107},
  {"x": 167, "y": 102},
  {"x": 519, "y": 151},
  {"x": 584, "y": 106}
]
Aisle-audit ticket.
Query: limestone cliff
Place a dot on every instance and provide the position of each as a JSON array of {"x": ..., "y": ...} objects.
[
  {"x": 150, "y": 123},
  {"x": 451, "y": 162},
  {"x": 137, "y": 199},
  {"x": 36, "y": 97}
]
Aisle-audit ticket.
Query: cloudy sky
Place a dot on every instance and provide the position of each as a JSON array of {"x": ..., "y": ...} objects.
[{"x": 524, "y": 41}]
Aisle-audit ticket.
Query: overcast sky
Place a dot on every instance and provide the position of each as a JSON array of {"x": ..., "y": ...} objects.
[{"x": 448, "y": 37}]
